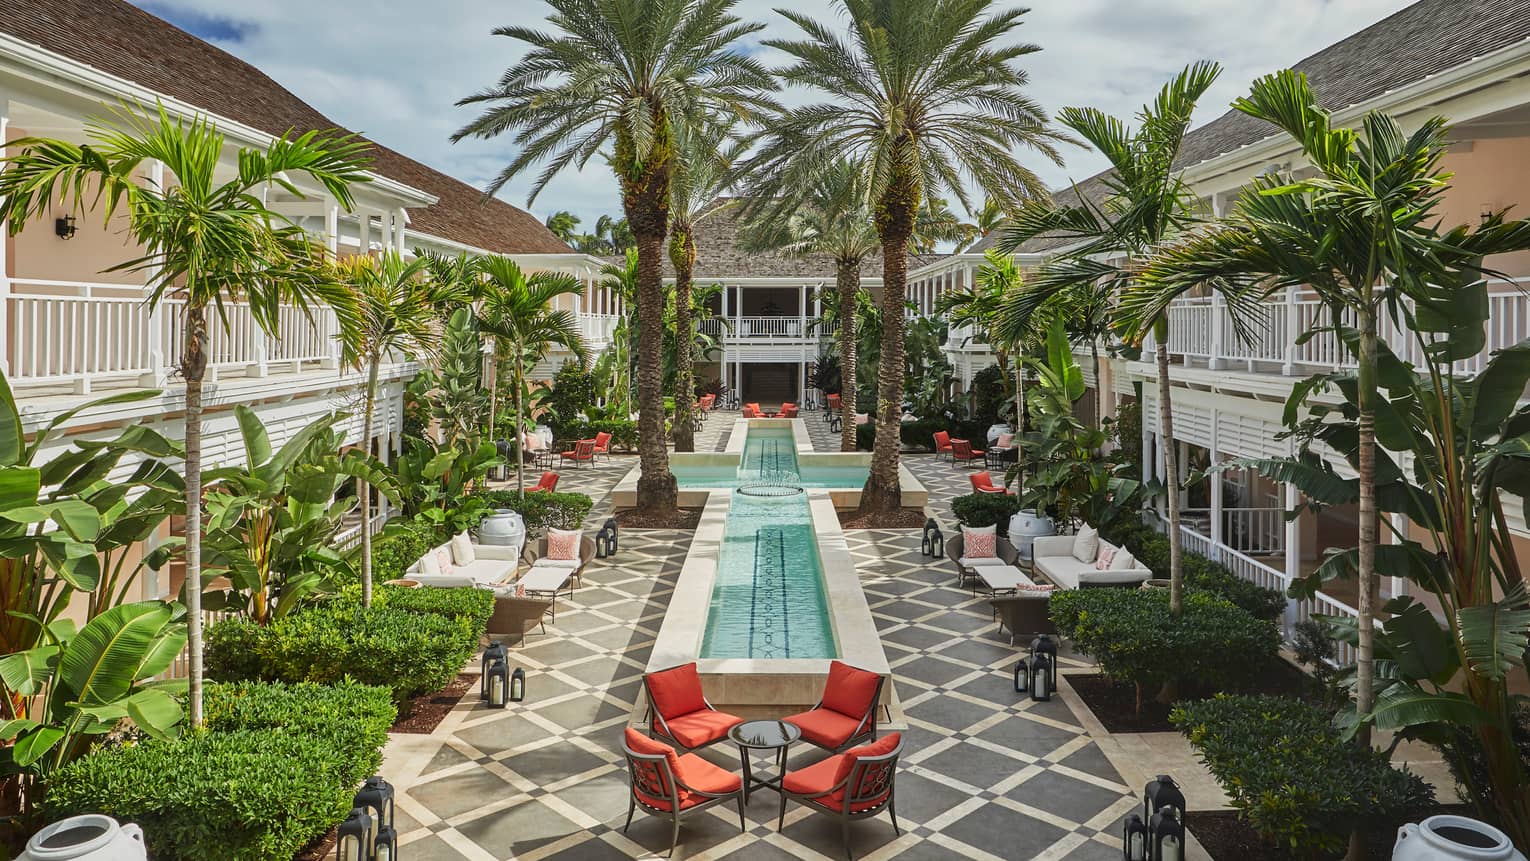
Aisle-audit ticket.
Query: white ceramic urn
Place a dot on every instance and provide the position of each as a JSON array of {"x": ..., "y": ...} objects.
[
  {"x": 1025, "y": 526},
  {"x": 1453, "y": 838},
  {"x": 91, "y": 837}
]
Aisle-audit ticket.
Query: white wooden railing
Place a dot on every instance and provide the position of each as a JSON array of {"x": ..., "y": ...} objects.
[
  {"x": 768, "y": 327},
  {"x": 597, "y": 329}
]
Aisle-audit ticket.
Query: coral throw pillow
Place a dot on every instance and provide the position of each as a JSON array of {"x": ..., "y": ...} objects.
[
  {"x": 562, "y": 544},
  {"x": 444, "y": 559},
  {"x": 1006, "y": 440},
  {"x": 1103, "y": 559},
  {"x": 978, "y": 543}
]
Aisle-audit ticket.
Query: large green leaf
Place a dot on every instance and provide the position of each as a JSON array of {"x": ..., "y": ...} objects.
[
  {"x": 26, "y": 672},
  {"x": 1405, "y": 705},
  {"x": 35, "y": 744},
  {"x": 101, "y": 664},
  {"x": 1421, "y": 646},
  {"x": 57, "y": 421},
  {"x": 1494, "y": 636},
  {"x": 1498, "y": 389},
  {"x": 19, "y": 485},
  {"x": 257, "y": 443},
  {"x": 155, "y": 711},
  {"x": 10, "y": 426}
]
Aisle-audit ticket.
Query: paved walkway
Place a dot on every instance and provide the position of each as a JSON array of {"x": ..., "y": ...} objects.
[{"x": 985, "y": 774}]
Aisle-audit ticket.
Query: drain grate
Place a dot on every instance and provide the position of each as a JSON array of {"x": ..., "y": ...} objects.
[
  {"x": 769, "y": 629},
  {"x": 770, "y": 490}
]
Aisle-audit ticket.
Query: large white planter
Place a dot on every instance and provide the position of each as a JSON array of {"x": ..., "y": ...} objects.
[
  {"x": 91, "y": 837},
  {"x": 997, "y": 430},
  {"x": 1026, "y": 526},
  {"x": 1453, "y": 838},
  {"x": 503, "y": 528}
]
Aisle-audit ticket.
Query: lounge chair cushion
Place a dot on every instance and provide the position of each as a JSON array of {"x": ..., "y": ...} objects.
[
  {"x": 825, "y": 727},
  {"x": 701, "y": 728},
  {"x": 821, "y": 776},
  {"x": 462, "y": 548},
  {"x": 1086, "y": 543},
  {"x": 849, "y": 690},
  {"x": 979, "y": 543},
  {"x": 562, "y": 544},
  {"x": 561, "y": 564},
  {"x": 676, "y": 692}
]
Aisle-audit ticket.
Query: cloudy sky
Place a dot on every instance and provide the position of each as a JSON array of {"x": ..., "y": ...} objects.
[{"x": 393, "y": 69}]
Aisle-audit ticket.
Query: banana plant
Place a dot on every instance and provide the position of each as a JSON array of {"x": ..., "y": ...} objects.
[
  {"x": 85, "y": 683},
  {"x": 437, "y": 481},
  {"x": 271, "y": 523}
]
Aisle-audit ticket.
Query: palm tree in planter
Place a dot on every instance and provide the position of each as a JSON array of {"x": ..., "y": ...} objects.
[
  {"x": 704, "y": 157},
  {"x": 206, "y": 242},
  {"x": 1363, "y": 234},
  {"x": 399, "y": 314},
  {"x": 831, "y": 219},
  {"x": 516, "y": 311},
  {"x": 1142, "y": 201},
  {"x": 918, "y": 95},
  {"x": 624, "y": 74}
]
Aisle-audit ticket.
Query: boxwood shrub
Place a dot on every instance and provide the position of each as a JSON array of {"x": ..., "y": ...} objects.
[
  {"x": 473, "y": 605},
  {"x": 1291, "y": 776},
  {"x": 399, "y": 546},
  {"x": 1135, "y": 639},
  {"x": 543, "y": 510},
  {"x": 917, "y": 435},
  {"x": 1151, "y": 548},
  {"x": 408, "y": 652},
  {"x": 274, "y": 770},
  {"x": 986, "y": 509},
  {"x": 624, "y": 432}
]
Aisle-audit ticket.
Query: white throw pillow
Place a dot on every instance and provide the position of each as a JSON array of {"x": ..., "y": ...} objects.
[
  {"x": 429, "y": 566},
  {"x": 1086, "y": 543},
  {"x": 1123, "y": 561},
  {"x": 462, "y": 549}
]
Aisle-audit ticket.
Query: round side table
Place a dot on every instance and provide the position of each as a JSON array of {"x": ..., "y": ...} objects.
[{"x": 763, "y": 735}]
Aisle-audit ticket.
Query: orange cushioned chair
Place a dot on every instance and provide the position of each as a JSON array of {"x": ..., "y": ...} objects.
[
  {"x": 680, "y": 711},
  {"x": 584, "y": 452},
  {"x": 548, "y": 482},
  {"x": 961, "y": 452},
  {"x": 603, "y": 444},
  {"x": 942, "y": 443},
  {"x": 856, "y": 784},
  {"x": 848, "y": 711},
  {"x": 666, "y": 784},
  {"x": 982, "y": 482}
]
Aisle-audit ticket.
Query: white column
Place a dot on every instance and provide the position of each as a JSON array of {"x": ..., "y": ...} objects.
[
  {"x": 1214, "y": 362},
  {"x": 1293, "y": 321},
  {"x": 1293, "y": 553},
  {"x": 1216, "y": 489},
  {"x": 5, "y": 278},
  {"x": 332, "y": 228},
  {"x": 400, "y": 221},
  {"x": 1147, "y": 443},
  {"x": 802, "y": 306},
  {"x": 364, "y": 231}
]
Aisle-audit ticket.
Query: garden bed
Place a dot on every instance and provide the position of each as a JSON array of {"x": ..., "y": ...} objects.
[
  {"x": 903, "y": 518},
  {"x": 637, "y": 518},
  {"x": 1226, "y": 837},
  {"x": 1114, "y": 703},
  {"x": 422, "y": 714}
]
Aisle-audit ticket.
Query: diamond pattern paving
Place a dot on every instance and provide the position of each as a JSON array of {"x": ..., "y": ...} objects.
[{"x": 985, "y": 774}]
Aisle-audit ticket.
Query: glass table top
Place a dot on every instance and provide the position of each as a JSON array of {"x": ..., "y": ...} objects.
[{"x": 765, "y": 733}]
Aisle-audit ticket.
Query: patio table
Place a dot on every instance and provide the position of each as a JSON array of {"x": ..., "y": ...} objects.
[
  {"x": 774, "y": 736},
  {"x": 1002, "y": 578},
  {"x": 547, "y": 580}
]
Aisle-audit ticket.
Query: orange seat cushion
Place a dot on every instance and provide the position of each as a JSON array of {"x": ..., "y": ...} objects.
[
  {"x": 825, "y": 727},
  {"x": 690, "y": 770},
  {"x": 676, "y": 691},
  {"x": 818, "y": 778},
  {"x": 850, "y": 691},
  {"x": 700, "y": 727},
  {"x": 698, "y": 773}
]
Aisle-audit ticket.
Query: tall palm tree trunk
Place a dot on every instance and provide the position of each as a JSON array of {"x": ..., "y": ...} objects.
[
  {"x": 646, "y": 202},
  {"x": 1171, "y": 478},
  {"x": 364, "y": 490},
  {"x": 895, "y": 224},
  {"x": 682, "y": 253},
  {"x": 1099, "y": 383},
  {"x": 847, "y": 281},
  {"x": 1365, "y": 564},
  {"x": 193, "y": 367},
  {"x": 1019, "y": 419},
  {"x": 493, "y": 386}
]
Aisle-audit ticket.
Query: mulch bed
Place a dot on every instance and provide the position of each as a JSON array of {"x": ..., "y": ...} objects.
[
  {"x": 425, "y": 712},
  {"x": 1115, "y": 703},
  {"x": 322, "y": 849},
  {"x": 1225, "y": 837},
  {"x": 637, "y": 518},
  {"x": 903, "y": 518}
]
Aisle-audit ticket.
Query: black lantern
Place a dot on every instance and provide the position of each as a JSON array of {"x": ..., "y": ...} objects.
[
  {"x": 517, "y": 685},
  {"x": 496, "y": 651},
  {"x": 1134, "y": 842},
  {"x": 1162, "y": 792},
  {"x": 353, "y": 840},
  {"x": 499, "y": 684},
  {"x": 386, "y": 846},
  {"x": 1023, "y": 675},
  {"x": 1043, "y": 673},
  {"x": 1168, "y": 836},
  {"x": 64, "y": 227},
  {"x": 928, "y": 546},
  {"x": 610, "y": 526},
  {"x": 1045, "y": 647},
  {"x": 602, "y": 543},
  {"x": 376, "y": 798}
]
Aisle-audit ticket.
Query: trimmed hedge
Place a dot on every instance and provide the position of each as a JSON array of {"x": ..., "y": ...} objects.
[
  {"x": 1135, "y": 639},
  {"x": 408, "y": 652},
  {"x": 917, "y": 435},
  {"x": 543, "y": 510},
  {"x": 400, "y": 545},
  {"x": 624, "y": 432},
  {"x": 276, "y": 767},
  {"x": 1151, "y": 548},
  {"x": 986, "y": 509},
  {"x": 1291, "y": 776}
]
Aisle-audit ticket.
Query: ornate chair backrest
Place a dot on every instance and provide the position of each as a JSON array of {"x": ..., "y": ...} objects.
[
  {"x": 651, "y": 776},
  {"x": 961, "y": 449},
  {"x": 871, "y": 780},
  {"x": 584, "y": 450}
]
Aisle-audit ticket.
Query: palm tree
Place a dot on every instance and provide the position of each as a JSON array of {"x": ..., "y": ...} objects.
[
  {"x": 563, "y": 225},
  {"x": 625, "y": 74},
  {"x": 1145, "y": 202},
  {"x": 398, "y": 314},
  {"x": 987, "y": 219},
  {"x": 204, "y": 244},
  {"x": 622, "y": 279},
  {"x": 703, "y": 163},
  {"x": 517, "y": 312},
  {"x": 1363, "y": 234},
  {"x": 919, "y": 95},
  {"x": 979, "y": 308}
]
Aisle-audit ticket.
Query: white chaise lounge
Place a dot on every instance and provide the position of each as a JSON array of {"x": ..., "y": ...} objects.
[
  {"x": 1055, "y": 559},
  {"x": 466, "y": 564}
]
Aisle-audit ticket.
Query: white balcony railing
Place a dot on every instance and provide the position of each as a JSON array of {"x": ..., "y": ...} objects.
[
  {"x": 1202, "y": 328},
  {"x": 597, "y": 329}
]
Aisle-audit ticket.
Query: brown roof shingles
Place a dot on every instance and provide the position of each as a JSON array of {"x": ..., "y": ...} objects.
[{"x": 121, "y": 40}]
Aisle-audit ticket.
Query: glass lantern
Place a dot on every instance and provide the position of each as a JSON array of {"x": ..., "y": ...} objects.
[
  {"x": 495, "y": 652},
  {"x": 517, "y": 685},
  {"x": 353, "y": 840},
  {"x": 499, "y": 684}
]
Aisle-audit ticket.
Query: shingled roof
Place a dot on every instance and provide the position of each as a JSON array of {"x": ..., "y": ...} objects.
[
  {"x": 1422, "y": 40},
  {"x": 122, "y": 40}
]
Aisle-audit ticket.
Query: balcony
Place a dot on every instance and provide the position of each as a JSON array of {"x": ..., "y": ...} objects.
[{"x": 765, "y": 330}]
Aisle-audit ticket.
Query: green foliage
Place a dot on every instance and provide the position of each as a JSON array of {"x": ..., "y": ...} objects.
[
  {"x": 275, "y": 769},
  {"x": 927, "y": 372},
  {"x": 460, "y": 399},
  {"x": 1132, "y": 635},
  {"x": 543, "y": 510},
  {"x": 435, "y": 481},
  {"x": 986, "y": 509},
  {"x": 918, "y": 435},
  {"x": 1291, "y": 776},
  {"x": 989, "y": 395},
  {"x": 1126, "y": 435},
  {"x": 1151, "y": 548},
  {"x": 571, "y": 393},
  {"x": 410, "y": 653},
  {"x": 474, "y": 605},
  {"x": 624, "y": 432},
  {"x": 401, "y": 544}
]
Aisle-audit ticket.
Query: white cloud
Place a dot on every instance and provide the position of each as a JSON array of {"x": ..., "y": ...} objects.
[{"x": 392, "y": 69}]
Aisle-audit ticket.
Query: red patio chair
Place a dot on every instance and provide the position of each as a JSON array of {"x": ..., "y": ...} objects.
[
  {"x": 584, "y": 452},
  {"x": 548, "y": 483},
  {"x": 789, "y": 411},
  {"x": 848, "y": 711},
  {"x": 961, "y": 452},
  {"x": 942, "y": 443},
  {"x": 665, "y": 784},
  {"x": 982, "y": 482},
  {"x": 680, "y": 712},
  {"x": 856, "y": 784},
  {"x": 603, "y": 444}
]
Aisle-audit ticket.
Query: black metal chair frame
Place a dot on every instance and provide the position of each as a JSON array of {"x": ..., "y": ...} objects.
[
  {"x": 651, "y": 774},
  {"x": 884, "y": 769}
]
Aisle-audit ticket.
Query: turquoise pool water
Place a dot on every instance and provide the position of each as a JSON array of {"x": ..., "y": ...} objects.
[{"x": 768, "y": 599}]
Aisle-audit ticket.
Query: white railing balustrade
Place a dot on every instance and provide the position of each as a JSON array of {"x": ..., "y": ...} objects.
[
  {"x": 597, "y": 329},
  {"x": 768, "y": 327}
]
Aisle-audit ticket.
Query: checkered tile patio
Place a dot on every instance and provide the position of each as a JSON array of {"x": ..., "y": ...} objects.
[{"x": 985, "y": 774}]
